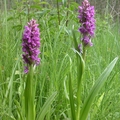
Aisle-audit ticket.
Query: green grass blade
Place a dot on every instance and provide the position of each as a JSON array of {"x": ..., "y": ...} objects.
[
  {"x": 96, "y": 88},
  {"x": 18, "y": 109},
  {"x": 75, "y": 40},
  {"x": 45, "y": 107}
]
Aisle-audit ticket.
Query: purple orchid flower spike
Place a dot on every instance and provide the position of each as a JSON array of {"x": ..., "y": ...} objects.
[
  {"x": 86, "y": 18},
  {"x": 31, "y": 44}
]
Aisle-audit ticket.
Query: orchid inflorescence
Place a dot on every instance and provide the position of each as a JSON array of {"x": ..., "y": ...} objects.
[
  {"x": 31, "y": 44},
  {"x": 87, "y": 27}
]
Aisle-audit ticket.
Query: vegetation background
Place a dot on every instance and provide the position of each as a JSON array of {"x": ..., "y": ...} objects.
[
  {"x": 113, "y": 6},
  {"x": 56, "y": 19}
]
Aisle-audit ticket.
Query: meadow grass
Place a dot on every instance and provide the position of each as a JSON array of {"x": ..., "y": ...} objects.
[{"x": 52, "y": 74}]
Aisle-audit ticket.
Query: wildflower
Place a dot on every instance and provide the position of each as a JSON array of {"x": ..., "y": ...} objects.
[
  {"x": 86, "y": 18},
  {"x": 31, "y": 44}
]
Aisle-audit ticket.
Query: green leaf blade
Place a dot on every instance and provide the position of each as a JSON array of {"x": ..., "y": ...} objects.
[
  {"x": 71, "y": 99},
  {"x": 45, "y": 107},
  {"x": 96, "y": 88}
]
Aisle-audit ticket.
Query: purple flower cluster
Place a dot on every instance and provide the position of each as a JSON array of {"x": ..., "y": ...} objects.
[
  {"x": 86, "y": 18},
  {"x": 31, "y": 44}
]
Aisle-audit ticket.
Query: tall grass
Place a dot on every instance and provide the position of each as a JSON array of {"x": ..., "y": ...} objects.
[{"x": 56, "y": 52}]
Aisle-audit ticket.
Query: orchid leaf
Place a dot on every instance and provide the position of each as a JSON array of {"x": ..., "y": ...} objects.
[{"x": 95, "y": 89}]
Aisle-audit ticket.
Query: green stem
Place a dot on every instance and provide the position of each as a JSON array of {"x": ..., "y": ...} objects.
[
  {"x": 68, "y": 4},
  {"x": 29, "y": 96},
  {"x": 71, "y": 99},
  {"x": 58, "y": 12},
  {"x": 78, "y": 101},
  {"x": 84, "y": 53},
  {"x": 78, "y": 92},
  {"x": 80, "y": 70},
  {"x": 28, "y": 10}
]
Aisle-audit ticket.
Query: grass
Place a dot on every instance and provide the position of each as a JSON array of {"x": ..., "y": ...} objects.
[{"x": 51, "y": 74}]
